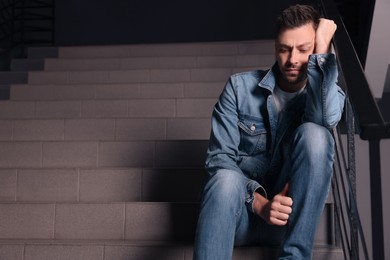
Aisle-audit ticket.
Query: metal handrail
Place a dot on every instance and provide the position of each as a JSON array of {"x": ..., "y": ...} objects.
[
  {"x": 371, "y": 126},
  {"x": 17, "y": 19}
]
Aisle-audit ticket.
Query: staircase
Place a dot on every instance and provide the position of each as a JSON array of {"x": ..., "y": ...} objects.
[{"x": 102, "y": 151}]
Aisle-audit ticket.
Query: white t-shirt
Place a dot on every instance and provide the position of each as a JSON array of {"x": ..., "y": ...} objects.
[{"x": 282, "y": 97}]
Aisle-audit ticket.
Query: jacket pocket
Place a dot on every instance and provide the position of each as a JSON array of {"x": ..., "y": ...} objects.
[{"x": 253, "y": 135}]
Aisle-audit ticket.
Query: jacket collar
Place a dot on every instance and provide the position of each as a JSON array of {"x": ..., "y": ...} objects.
[{"x": 269, "y": 80}]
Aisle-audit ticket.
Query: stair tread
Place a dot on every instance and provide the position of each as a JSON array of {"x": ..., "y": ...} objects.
[{"x": 125, "y": 249}]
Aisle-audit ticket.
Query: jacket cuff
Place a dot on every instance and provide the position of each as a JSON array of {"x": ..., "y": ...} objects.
[{"x": 252, "y": 187}]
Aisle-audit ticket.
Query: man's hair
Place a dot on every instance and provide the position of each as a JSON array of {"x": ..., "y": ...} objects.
[{"x": 297, "y": 15}]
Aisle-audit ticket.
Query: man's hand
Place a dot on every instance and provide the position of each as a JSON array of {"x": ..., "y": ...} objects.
[
  {"x": 324, "y": 34},
  {"x": 275, "y": 211}
]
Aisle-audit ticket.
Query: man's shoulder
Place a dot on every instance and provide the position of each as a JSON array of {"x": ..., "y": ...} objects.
[{"x": 254, "y": 76}]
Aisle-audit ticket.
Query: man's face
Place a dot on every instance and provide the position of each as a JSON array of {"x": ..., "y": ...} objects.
[{"x": 293, "y": 47}]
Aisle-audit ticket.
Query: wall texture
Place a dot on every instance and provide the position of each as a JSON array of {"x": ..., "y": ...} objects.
[{"x": 94, "y": 22}]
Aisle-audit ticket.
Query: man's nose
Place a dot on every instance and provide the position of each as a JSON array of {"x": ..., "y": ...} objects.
[{"x": 293, "y": 59}]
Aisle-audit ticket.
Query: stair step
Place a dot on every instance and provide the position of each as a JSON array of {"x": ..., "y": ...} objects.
[
  {"x": 136, "y": 221},
  {"x": 13, "y": 77},
  {"x": 130, "y": 221},
  {"x": 42, "y": 52},
  {"x": 72, "y": 154},
  {"x": 101, "y": 185},
  {"x": 188, "y": 62},
  {"x": 116, "y": 91},
  {"x": 136, "y": 108},
  {"x": 27, "y": 64},
  {"x": 171, "y": 50},
  {"x": 125, "y": 250},
  {"x": 133, "y": 76},
  {"x": 118, "y": 129}
]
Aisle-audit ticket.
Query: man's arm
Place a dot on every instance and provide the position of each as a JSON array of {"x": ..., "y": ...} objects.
[
  {"x": 325, "y": 99},
  {"x": 324, "y": 35}
]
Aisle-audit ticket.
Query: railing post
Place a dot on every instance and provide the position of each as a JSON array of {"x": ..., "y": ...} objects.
[
  {"x": 376, "y": 200},
  {"x": 354, "y": 254}
]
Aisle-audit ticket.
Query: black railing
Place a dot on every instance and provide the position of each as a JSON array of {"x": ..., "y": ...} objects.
[
  {"x": 24, "y": 23},
  {"x": 361, "y": 107}
]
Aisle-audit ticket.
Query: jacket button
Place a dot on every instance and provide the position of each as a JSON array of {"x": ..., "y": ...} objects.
[{"x": 253, "y": 128}]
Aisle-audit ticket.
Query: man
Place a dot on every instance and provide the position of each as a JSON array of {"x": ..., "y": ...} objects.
[{"x": 271, "y": 152}]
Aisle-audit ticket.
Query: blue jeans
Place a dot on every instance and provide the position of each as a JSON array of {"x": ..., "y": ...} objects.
[{"x": 225, "y": 221}]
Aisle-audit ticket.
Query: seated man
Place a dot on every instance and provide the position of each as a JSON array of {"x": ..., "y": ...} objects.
[{"x": 271, "y": 151}]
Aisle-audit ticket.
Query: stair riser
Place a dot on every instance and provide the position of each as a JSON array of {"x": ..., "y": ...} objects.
[
  {"x": 114, "y": 221},
  {"x": 125, "y": 252},
  {"x": 116, "y": 91},
  {"x": 105, "y": 129},
  {"x": 158, "y": 154},
  {"x": 131, "y": 76},
  {"x": 159, "y": 63},
  {"x": 138, "y": 108},
  {"x": 169, "y": 50},
  {"x": 101, "y": 185}
]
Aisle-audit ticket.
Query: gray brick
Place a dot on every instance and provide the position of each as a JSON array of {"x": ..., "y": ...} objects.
[
  {"x": 216, "y": 48},
  {"x": 82, "y": 64},
  {"x": 216, "y": 61},
  {"x": 52, "y": 92},
  {"x": 126, "y": 154},
  {"x": 143, "y": 252},
  {"x": 26, "y": 221},
  {"x": 188, "y": 129},
  {"x": 89, "y": 129},
  {"x": 5, "y": 130},
  {"x": 210, "y": 75},
  {"x": 160, "y": 221},
  {"x": 47, "y": 185},
  {"x": 170, "y": 75},
  {"x": 58, "y": 109},
  {"x": 89, "y": 221},
  {"x": 70, "y": 154},
  {"x": 152, "y": 108},
  {"x": 141, "y": 129},
  {"x": 38, "y": 130},
  {"x": 158, "y": 63},
  {"x": 45, "y": 77},
  {"x": 129, "y": 76},
  {"x": 11, "y": 252},
  {"x": 265, "y": 60},
  {"x": 117, "y": 91},
  {"x": 82, "y": 77},
  {"x": 181, "y": 154},
  {"x": 93, "y": 51},
  {"x": 107, "y": 185},
  {"x": 257, "y": 47},
  {"x": 181, "y": 185},
  {"x": 22, "y": 154},
  {"x": 161, "y": 90},
  {"x": 8, "y": 179},
  {"x": 16, "y": 109},
  {"x": 197, "y": 107},
  {"x": 63, "y": 252},
  {"x": 203, "y": 89},
  {"x": 104, "y": 108},
  {"x": 156, "y": 50}
]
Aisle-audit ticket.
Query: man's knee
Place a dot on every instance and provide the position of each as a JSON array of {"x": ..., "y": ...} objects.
[
  {"x": 314, "y": 140},
  {"x": 225, "y": 186}
]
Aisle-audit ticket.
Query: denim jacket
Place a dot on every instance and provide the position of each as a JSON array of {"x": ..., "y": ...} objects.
[{"x": 246, "y": 128}]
